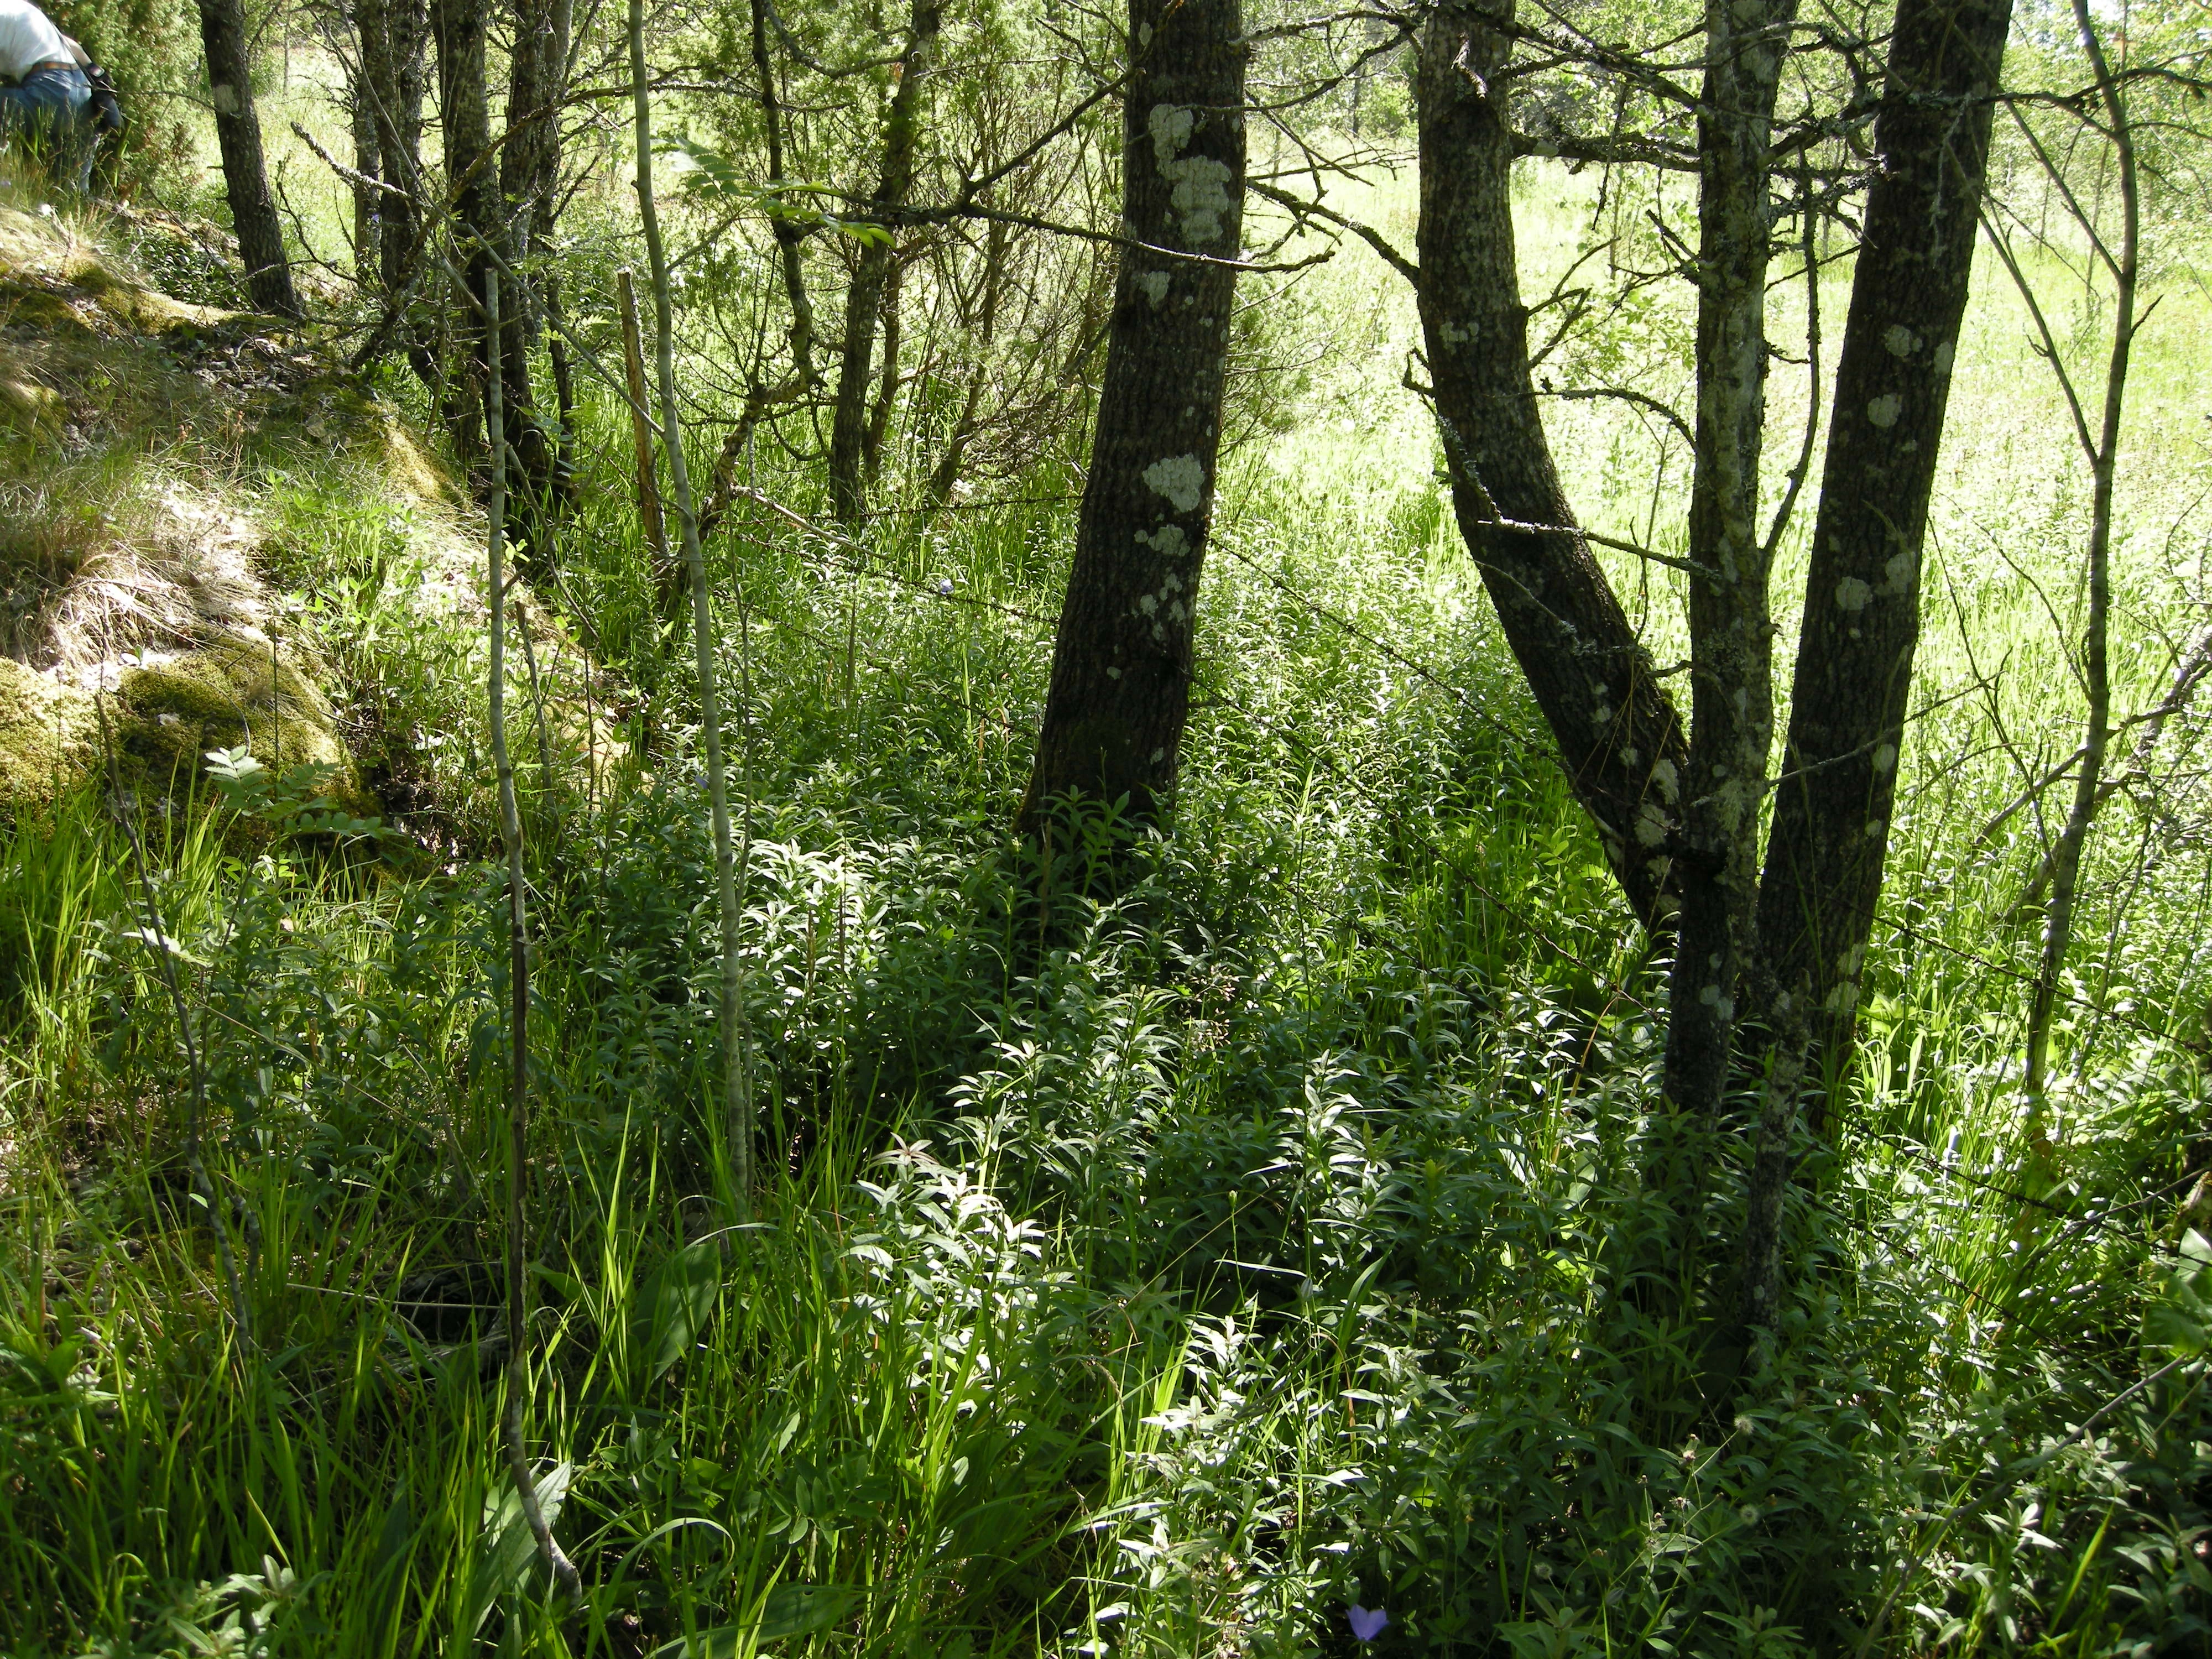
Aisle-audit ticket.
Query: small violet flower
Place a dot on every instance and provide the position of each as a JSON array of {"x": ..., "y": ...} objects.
[
  {"x": 1366, "y": 1625},
  {"x": 945, "y": 586}
]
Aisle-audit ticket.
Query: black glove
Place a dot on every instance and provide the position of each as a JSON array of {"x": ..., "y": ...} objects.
[{"x": 107, "y": 107}]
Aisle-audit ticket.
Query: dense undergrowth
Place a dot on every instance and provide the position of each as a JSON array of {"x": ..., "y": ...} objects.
[{"x": 1162, "y": 1276}]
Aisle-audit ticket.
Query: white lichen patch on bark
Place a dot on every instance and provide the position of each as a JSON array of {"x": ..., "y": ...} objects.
[
  {"x": 1181, "y": 479},
  {"x": 1884, "y": 410},
  {"x": 1153, "y": 285},
  {"x": 1197, "y": 185}
]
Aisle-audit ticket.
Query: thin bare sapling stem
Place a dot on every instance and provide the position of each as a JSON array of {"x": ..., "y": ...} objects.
[
  {"x": 563, "y": 1570},
  {"x": 2102, "y": 456},
  {"x": 666, "y": 574},
  {"x": 736, "y": 1061}
]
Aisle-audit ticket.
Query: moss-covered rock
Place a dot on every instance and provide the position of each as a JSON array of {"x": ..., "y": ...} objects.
[
  {"x": 232, "y": 695},
  {"x": 163, "y": 721},
  {"x": 49, "y": 737}
]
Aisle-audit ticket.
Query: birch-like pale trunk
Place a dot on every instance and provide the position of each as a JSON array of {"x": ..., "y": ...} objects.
[
  {"x": 563, "y": 1571},
  {"x": 2104, "y": 457},
  {"x": 737, "y": 1065}
]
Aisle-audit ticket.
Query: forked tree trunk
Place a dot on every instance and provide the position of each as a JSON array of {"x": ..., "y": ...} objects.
[
  {"x": 1839, "y": 778},
  {"x": 1120, "y": 671},
  {"x": 1731, "y": 627},
  {"x": 245, "y": 180},
  {"x": 1618, "y": 737},
  {"x": 849, "y": 431}
]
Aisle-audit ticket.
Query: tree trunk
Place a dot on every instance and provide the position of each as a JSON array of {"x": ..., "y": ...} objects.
[
  {"x": 368, "y": 199},
  {"x": 238, "y": 135},
  {"x": 1121, "y": 664},
  {"x": 1618, "y": 737},
  {"x": 1731, "y": 629},
  {"x": 459, "y": 26},
  {"x": 1838, "y": 778},
  {"x": 789, "y": 235},
  {"x": 2096, "y": 668},
  {"x": 849, "y": 431},
  {"x": 529, "y": 179},
  {"x": 392, "y": 37},
  {"x": 668, "y": 576},
  {"x": 879, "y": 417},
  {"x": 730, "y": 858},
  {"x": 563, "y": 1571}
]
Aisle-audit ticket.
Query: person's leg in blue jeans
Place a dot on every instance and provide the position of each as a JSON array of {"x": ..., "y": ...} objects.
[{"x": 50, "y": 112}]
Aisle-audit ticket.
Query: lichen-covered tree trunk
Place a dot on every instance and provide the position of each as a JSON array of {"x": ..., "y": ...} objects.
[
  {"x": 1121, "y": 673},
  {"x": 863, "y": 301},
  {"x": 1618, "y": 737},
  {"x": 1837, "y": 781},
  {"x": 1731, "y": 626},
  {"x": 245, "y": 178}
]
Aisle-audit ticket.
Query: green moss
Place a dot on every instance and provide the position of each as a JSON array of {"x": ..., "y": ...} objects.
[
  {"x": 163, "y": 721},
  {"x": 232, "y": 697},
  {"x": 49, "y": 737}
]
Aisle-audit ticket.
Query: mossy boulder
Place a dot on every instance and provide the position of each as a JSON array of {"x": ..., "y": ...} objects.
[
  {"x": 49, "y": 737},
  {"x": 232, "y": 695},
  {"x": 164, "y": 719}
]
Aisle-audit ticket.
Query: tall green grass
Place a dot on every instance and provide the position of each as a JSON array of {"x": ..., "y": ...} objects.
[{"x": 1158, "y": 1278}]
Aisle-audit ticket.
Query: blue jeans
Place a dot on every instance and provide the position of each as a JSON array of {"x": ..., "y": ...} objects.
[{"x": 49, "y": 112}]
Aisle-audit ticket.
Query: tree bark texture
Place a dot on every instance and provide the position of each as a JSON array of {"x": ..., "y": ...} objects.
[
  {"x": 368, "y": 199},
  {"x": 393, "y": 33},
  {"x": 529, "y": 181},
  {"x": 245, "y": 178},
  {"x": 1121, "y": 674},
  {"x": 1731, "y": 627},
  {"x": 863, "y": 301},
  {"x": 1839, "y": 778},
  {"x": 1620, "y": 739},
  {"x": 465, "y": 115}
]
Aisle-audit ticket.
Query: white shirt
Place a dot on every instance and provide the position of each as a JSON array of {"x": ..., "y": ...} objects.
[{"x": 27, "y": 38}]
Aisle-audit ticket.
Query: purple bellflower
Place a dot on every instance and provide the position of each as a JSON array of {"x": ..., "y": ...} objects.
[{"x": 1367, "y": 1625}]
